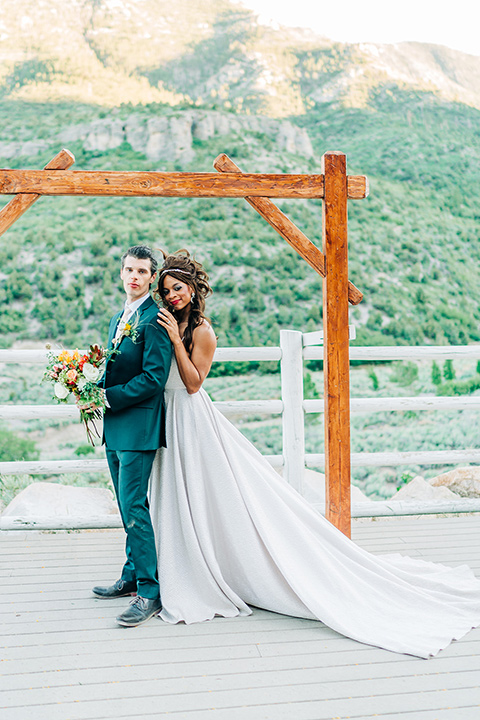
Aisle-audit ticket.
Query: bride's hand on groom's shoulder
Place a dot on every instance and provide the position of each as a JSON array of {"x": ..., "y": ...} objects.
[{"x": 166, "y": 320}]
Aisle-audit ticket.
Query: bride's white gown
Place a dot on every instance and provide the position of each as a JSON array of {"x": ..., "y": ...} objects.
[{"x": 232, "y": 533}]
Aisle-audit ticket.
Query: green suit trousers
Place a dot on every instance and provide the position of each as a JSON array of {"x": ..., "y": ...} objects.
[{"x": 130, "y": 471}]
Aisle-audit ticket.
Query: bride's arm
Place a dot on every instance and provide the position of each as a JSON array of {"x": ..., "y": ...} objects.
[{"x": 193, "y": 368}]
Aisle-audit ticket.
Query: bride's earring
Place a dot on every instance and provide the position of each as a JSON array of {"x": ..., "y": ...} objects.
[{"x": 192, "y": 296}]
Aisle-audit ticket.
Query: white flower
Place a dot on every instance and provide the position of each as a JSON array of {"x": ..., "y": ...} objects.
[
  {"x": 81, "y": 383},
  {"x": 91, "y": 372},
  {"x": 61, "y": 392}
]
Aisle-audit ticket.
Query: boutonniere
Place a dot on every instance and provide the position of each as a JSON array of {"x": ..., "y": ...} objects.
[{"x": 130, "y": 330}]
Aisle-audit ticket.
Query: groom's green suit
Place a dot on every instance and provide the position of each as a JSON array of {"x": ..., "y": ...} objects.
[{"x": 134, "y": 429}]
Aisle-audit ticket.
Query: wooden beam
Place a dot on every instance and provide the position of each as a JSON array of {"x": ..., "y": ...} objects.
[
  {"x": 287, "y": 229},
  {"x": 336, "y": 368},
  {"x": 167, "y": 184},
  {"x": 20, "y": 203}
]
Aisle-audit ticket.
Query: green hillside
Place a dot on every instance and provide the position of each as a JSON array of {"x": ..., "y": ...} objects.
[
  {"x": 168, "y": 86},
  {"x": 151, "y": 86}
]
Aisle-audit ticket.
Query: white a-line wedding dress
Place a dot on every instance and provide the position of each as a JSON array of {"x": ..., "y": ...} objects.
[{"x": 232, "y": 533}]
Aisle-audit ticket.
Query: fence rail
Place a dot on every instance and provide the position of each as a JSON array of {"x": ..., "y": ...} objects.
[
  {"x": 293, "y": 350},
  {"x": 231, "y": 408}
]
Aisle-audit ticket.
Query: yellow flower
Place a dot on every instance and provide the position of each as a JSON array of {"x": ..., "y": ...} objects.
[{"x": 127, "y": 327}]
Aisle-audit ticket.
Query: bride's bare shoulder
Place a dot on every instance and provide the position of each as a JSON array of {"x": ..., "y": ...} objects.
[{"x": 204, "y": 334}]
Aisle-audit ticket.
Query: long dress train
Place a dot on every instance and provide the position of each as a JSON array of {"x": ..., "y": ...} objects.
[{"x": 232, "y": 533}]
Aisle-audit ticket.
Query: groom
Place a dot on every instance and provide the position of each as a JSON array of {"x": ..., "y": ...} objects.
[{"x": 134, "y": 381}]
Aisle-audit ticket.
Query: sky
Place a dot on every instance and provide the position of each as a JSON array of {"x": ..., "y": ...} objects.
[{"x": 454, "y": 24}]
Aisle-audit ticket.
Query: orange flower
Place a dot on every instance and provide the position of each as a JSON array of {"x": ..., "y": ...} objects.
[
  {"x": 71, "y": 375},
  {"x": 65, "y": 357}
]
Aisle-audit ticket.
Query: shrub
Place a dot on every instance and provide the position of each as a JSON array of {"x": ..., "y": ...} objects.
[
  {"x": 436, "y": 374},
  {"x": 374, "y": 378},
  {"x": 13, "y": 447},
  {"x": 404, "y": 373},
  {"x": 84, "y": 450},
  {"x": 448, "y": 370}
]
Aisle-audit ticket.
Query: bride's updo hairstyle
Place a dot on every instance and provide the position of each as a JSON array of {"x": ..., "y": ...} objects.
[{"x": 182, "y": 266}]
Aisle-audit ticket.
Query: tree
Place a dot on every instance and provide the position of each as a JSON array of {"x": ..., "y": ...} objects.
[
  {"x": 436, "y": 374},
  {"x": 310, "y": 389},
  {"x": 374, "y": 378},
  {"x": 448, "y": 370}
]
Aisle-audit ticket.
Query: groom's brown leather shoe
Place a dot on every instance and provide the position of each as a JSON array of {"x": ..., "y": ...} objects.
[{"x": 118, "y": 589}]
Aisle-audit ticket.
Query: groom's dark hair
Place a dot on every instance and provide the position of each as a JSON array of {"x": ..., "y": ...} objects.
[{"x": 141, "y": 252}]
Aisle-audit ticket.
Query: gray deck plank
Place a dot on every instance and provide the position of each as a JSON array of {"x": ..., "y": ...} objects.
[
  {"x": 290, "y": 703},
  {"x": 64, "y": 657},
  {"x": 284, "y": 668},
  {"x": 337, "y": 688},
  {"x": 311, "y": 711}
]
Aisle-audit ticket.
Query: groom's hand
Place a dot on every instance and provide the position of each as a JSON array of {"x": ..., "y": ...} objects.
[{"x": 90, "y": 405}]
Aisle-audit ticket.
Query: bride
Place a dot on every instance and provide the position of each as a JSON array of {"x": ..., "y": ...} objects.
[{"x": 232, "y": 533}]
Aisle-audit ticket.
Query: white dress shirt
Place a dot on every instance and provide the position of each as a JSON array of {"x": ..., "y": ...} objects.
[{"x": 128, "y": 311}]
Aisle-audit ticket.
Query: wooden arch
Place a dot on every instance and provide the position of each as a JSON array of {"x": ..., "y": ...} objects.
[{"x": 333, "y": 187}]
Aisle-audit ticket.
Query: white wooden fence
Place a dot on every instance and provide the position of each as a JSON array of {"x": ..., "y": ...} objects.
[{"x": 294, "y": 348}]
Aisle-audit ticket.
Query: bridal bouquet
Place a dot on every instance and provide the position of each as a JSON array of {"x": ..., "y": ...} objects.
[{"x": 77, "y": 374}]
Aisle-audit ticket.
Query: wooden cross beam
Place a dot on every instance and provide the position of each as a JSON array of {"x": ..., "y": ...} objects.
[{"x": 171, "y": 184}]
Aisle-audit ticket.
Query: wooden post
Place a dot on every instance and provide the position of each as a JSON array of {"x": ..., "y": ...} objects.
[
  {"x": 336, "y": 351},
  {"x": 291, "y": 367}
]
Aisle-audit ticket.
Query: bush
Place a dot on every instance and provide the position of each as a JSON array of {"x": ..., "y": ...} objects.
[
  {"x": 310, "y": 390},
  {"x": 404, "y": 373},
  {"x": 84, "y": 450},
  {"x": 13, "y": 447},
  {"x": 374, "y": 378},
  {"x": 11, "y": 485},
  {"x": 461, "y": 387},
  {"x": 448, "y": 370},
  {"x": 436, "y": 374}
]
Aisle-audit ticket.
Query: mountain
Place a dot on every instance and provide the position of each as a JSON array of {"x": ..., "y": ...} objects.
[
  {"x": 146, "y": 84},
  {"x": 211, "y": 53}
]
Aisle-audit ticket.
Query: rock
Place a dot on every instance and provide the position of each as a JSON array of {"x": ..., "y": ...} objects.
[
  {"x": 15, "y": 149},
  {"x": 205, "y": 126},
  {"x": 136, "y": 133},
  {"x": 420, "y": 489},
  {"x": 44, "y": 499},
  {"x": 180, "y": 137},
  {"x": 170, "y": 137},
  {"x": 32, "y": 147},
  {"x": 464, "y": 481},
  {"x": 294, "y": 140},
  {"x": 72, "y": 133},
  {"x": 357, "y": 495},
  {"x": 314, "y": 488},
  {"x": 104, "y": 135}
]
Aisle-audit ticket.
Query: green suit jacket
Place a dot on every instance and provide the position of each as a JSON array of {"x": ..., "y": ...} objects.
[{"x": 134, "y": 381}]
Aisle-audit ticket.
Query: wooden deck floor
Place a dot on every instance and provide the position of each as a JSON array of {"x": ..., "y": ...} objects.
[{"x": 64, "y": 658}]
